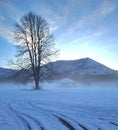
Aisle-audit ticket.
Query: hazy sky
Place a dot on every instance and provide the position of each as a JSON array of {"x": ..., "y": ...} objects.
[{"x": 82, "y": 28}]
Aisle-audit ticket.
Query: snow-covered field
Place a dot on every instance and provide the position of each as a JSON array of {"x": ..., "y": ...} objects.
[{"x": 54, "y": 108}]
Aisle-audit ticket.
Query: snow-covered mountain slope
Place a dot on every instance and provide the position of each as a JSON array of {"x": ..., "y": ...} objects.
[
  {"x": 6, "y": 72},
  {"x": 84, "y": 66},
  {"x": 83, "y": 70},
  {"x": 7, "y": 75}
]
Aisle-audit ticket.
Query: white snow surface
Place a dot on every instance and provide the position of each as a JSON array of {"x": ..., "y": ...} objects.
[{"x": 58, "y": 108}]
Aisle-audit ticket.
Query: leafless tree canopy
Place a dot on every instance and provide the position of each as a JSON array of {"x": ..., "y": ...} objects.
[{"x": 35, "y": 45}]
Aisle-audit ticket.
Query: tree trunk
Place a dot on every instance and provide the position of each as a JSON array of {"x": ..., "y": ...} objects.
[{"x": 37, "y": 84}]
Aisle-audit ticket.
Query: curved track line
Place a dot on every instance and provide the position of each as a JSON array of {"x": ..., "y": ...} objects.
[
  {"x": 24, "y": 122},
  {"x": 44, "y": 116},
  {"x": 28, "y": 114},
  {"x": 70, "y": 127},
  {"x": 26, "y": 119},
  {"x": 113, "y": 123},
  {"x": 83, "y": 127},
  {"x": 61, "y": 118},
  {"x": 34, "y": 120},
  {"x": 10, "y": 120},
  {"x": 64, "y": 122}
]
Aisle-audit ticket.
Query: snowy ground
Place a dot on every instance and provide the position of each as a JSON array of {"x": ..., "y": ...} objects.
[{"x": 55, "y": 108}]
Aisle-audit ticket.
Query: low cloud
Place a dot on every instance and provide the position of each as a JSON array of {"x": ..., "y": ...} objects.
[
  {"x": 11, "y": 10},
  {"x": 102, "y": 12},
  {"x": 8, "y": 11},
  {"x": 89, "y": 25},
  {"x": 6, "y": 33},
  {"x": 90, "y": 36}
]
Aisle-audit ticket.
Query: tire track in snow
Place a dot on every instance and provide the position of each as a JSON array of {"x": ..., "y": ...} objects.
[
  {"x": 101, "y": 118},
  {"x": 99, "y": 129},
  {"x": 68, "y": 119},
  {"x": 14, "y": 117},
  {"x": 43, "y": 116},
  {"x": 70, "y": 127},
  {"x": 62, "y": 119},
  {"x": 26, "y": 119},
  {"x": 33, "y": 119},
  {"x": 48, "y": 113},
  {"x": 57, "y": 117},
  {"x": 27, "y": 125},
  {"x": 80, "y": 125},
  {"x": 113, "y": 123},
  {"x": 109, "y": 122},
  {"x": 84, "y": 128}
]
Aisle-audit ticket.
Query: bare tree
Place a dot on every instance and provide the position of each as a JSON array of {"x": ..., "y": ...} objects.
[{"x": 35, "y": 45}]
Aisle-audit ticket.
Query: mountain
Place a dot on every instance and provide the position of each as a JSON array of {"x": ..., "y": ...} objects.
[
  {"x": 7, "y": 74},
  {"x": 84, "y": 66},
  {"x": 84, "y": 71}
]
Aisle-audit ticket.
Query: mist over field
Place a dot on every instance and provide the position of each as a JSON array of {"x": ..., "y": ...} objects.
[{"x": 58, "y": 106}]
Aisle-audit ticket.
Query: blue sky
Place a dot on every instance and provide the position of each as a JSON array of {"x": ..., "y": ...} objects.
[{"x": 82, "y": 28}]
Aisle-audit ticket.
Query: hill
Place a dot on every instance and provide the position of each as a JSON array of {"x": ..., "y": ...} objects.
[{"x": 85, "y": 71}]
